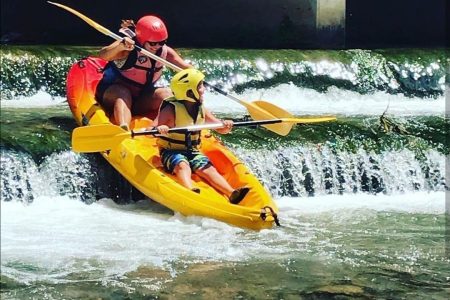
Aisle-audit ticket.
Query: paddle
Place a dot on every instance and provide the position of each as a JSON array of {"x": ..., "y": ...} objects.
[
  {"x": 258, "y": 110},
  {"x": 97, "y": 138}
]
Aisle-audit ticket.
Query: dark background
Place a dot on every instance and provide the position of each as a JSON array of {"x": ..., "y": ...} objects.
[
  {"x": 230, "y": 23},
  {"x": 396, "y": 23}
]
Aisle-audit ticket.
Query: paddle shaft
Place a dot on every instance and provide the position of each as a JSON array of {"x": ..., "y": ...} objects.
[
  {"x": 207, "y": 126},
  {"x": 177, "y": 68}
]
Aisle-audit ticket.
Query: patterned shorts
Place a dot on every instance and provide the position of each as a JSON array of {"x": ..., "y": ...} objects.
[{"x": 196, "y": 160}]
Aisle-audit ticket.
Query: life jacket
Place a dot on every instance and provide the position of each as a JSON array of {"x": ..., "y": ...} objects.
[
  {"x": 182, "y": 141},
  {"x": 139, "y": 69}
]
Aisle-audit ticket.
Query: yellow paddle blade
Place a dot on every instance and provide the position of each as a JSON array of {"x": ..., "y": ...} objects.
[
  {"x": 97, "y": 138},
  {"x": 91, "y": 22},
  {"x": 262, "y": 110}
]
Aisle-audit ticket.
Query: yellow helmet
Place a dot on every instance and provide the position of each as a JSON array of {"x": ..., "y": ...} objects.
[{"x": 184, "y": 81}]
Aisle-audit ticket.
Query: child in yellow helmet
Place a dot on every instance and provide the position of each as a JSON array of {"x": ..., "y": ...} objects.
[{"x": 180, "y": 155}]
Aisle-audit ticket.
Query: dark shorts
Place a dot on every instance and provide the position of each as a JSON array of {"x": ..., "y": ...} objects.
[{"x": 196, "y": 160}]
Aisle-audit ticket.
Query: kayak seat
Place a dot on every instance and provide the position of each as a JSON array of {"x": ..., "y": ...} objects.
[
  {"x": 225, "y": 166},
  {"x": 156, "y": 161},
  {"x": 222, "y": 163},
  {"x": 141, "y": 123}
]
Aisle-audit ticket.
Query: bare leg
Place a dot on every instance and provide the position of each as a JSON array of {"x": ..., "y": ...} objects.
[
  {"x": 122, "y": 112},
  {"x": 117, "y": 99},
  {"x": 216, "y": 180},
  {"x": 183, "y": 173}
]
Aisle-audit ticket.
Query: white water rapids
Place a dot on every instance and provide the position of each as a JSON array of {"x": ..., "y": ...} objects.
[
  {"x": 297, "y": 100},
  {"x": 57, "y": 235}
]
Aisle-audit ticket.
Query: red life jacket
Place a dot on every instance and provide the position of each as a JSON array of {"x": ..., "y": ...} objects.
[{"x": 140, "y": 70}]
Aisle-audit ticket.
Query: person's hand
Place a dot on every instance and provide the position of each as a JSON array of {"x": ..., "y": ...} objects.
[
  {"x": 127, "y": 44},
  {"x": 227, "y": 126},
  {"x": 163, "y": 129},
  {"x": 127, "y": 23}
]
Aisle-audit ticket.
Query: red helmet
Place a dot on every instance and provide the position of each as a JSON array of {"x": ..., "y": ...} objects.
[{"x": 150, "y": 28}]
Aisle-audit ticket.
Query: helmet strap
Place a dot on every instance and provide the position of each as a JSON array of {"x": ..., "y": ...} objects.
[{"x": 191, "y": 95}]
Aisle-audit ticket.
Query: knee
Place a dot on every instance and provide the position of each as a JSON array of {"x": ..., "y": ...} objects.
[
  {"x": 118, "y": 96},
  {"x": 182, "y": 167},
  {"x": 208, "y": 171},
  {"x": 159, "y": 95},
  {"x": 124, "y": 101},
  {"x": 163, "y": 93}
]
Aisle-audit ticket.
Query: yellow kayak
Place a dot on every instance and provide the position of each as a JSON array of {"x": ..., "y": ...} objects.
[{"x": 137, "y": 159}]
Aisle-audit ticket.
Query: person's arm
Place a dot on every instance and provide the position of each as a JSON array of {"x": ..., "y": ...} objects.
[
  {"x": 175, "y": 58},
  {"x": 117, "y": 50},
  {"x": 166, "y": 119},
  {"x": 210, "y": 118}
]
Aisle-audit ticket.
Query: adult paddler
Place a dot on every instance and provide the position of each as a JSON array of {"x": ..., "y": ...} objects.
[{"x": 131, "y": 81}]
